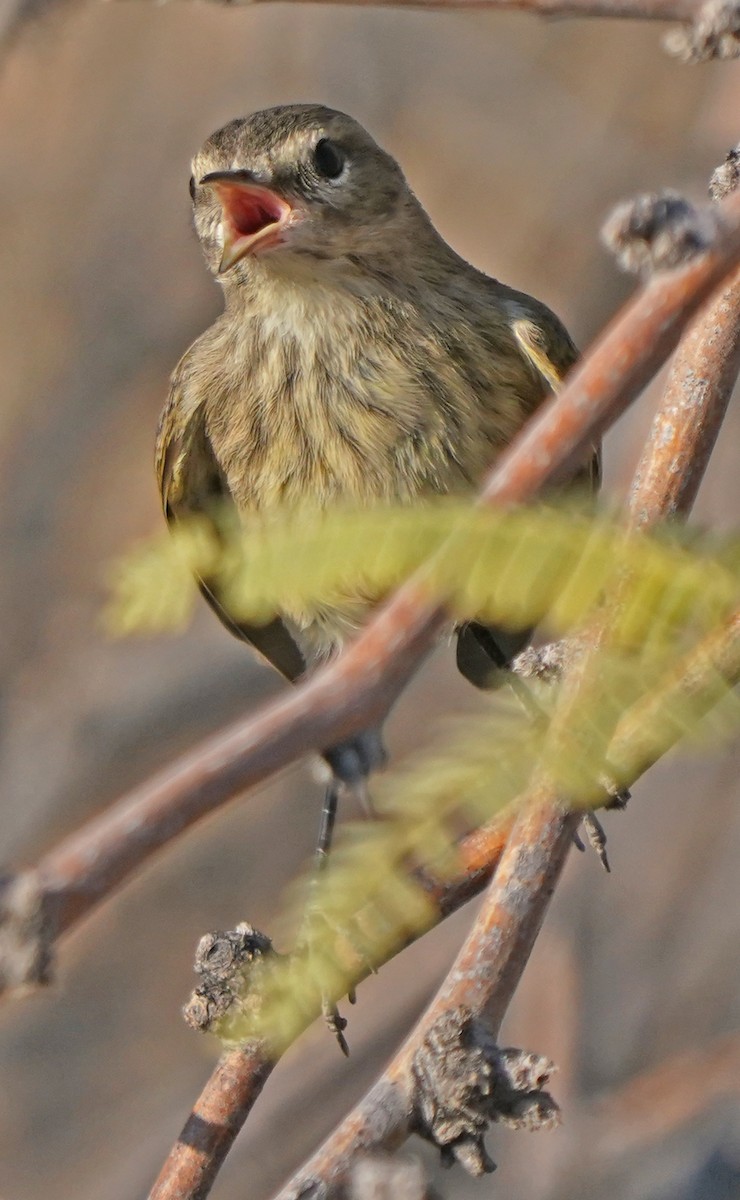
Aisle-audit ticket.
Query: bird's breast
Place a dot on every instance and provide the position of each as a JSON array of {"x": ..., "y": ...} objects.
[{"x": 337, "y": 401}]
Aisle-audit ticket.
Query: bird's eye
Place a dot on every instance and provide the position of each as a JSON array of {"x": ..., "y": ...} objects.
[
  {"x": 329, "y": 159},
  {"x": 192, "y": 187}
]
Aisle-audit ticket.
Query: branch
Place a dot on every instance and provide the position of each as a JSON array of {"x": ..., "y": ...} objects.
[
  {"x": 410, "y": 1097},
  {"x": 217, "y": 1117},
  {"x": 661, "y": 1101},
  {"x": 239, "y": 1076},
  {"x": 359, "y": 688},
  {"x": 640, "y": 10},
  {"x": 227, "y": 1098},
  {"x": 697, "y": 394},
  {"x": 646, "y": 233},
  {"x": 473, "y": 992},
  {"x": 362, "y": 684},
  {"x": 707, "y": 30}
]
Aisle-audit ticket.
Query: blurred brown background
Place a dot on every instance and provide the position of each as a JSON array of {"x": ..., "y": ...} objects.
[{"x": 517, "y": 135}]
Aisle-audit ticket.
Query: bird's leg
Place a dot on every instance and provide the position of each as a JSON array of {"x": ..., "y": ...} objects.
[
  {"x": 326, "y": 824},
  {"x": 351, "y": 763},
  {"x": 552, "y": 660},
  {"x": 335, "y": 1022}
]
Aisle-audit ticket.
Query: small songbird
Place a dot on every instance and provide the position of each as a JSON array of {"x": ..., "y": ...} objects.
[{"x": 359, "y": 359}]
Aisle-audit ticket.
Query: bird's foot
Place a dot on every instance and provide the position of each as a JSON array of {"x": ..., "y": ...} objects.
[
  {"x": 335, "y": 1023},
  {"x": 596, "y": 838},
  {"x": 355, "y": 759},
  {"x": 594, "y": 830},
  {"x": 324, "y": 942},
  {"x": 351, "y": 763}
]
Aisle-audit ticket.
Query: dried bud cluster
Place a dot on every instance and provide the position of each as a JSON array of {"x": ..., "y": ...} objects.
[
  {"x": 545, "y": 663},
  {"x": 725, "y": 179},
  {"x": 26, "y": 932},
  {"x": 463, "y": 1082},
  {"x": 659, "y": 232},
  {"x": 713, "y": 34},
  {"x": 225, "y": 960}
]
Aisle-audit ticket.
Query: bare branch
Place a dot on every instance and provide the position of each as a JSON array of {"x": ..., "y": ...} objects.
[
  {"x": 220, "y": 1112},
  {"x": 237, "y": 1080},
  {"x": 662, "y": 1100},
  {"x": 360, "y": 687},
  {"x": 490, "y": 964},
  {"x": 479, "y": 986},
  {"x": 193, "y": 1163},
  {"x": 698, "y": 391},
  {"x": 499, "y": 944},
  {"x": 706, "y": 31},
  {"x": 640, "y": 10}
]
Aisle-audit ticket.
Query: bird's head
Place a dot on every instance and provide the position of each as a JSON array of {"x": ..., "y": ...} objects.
[{"x": 299, "y": 183}]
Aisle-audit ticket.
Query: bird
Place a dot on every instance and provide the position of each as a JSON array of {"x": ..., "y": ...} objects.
[{"x": 358, "y": 360}]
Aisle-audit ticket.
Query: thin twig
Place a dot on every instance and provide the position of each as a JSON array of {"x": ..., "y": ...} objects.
[{"x": 639, "y": 10}]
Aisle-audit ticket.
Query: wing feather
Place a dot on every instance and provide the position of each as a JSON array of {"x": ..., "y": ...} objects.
[{"x": 192, "y": 482}]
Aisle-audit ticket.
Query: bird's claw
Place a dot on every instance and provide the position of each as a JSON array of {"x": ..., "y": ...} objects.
[
  {"x": 336, "y": 1024},
  {"x": 596, "y": 837}
]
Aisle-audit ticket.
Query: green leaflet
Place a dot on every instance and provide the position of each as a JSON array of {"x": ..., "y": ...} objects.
[
  {"x": 553, "y": 566},
  {"x": 530, "y": 566}
]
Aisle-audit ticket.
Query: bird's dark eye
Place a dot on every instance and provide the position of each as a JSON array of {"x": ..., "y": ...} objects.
[
  {"x": 192, "y": 187},
  {"x": 329, "y": 159}
]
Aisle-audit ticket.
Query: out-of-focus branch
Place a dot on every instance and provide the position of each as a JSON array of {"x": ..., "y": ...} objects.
[
  {"x": 360, "y": 687},
  {"x": 633, "y": 10},
  {"x": 660, "y": 1101},
  {"x": 707, "y": 29},
  {"x": 640, "y": 10}
]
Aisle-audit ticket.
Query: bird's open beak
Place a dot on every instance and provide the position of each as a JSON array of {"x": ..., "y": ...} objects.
[{"x": 254, "y": 217}]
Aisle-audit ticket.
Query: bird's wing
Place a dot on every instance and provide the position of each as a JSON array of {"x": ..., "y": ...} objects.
[
  {"x": 484, "y": 651},
  {"x": 546, "y": 344},
  {"x": 191, "y": 482}
]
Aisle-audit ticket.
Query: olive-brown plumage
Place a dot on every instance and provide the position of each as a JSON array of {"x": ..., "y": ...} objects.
[{"x": 358, "y": 358}]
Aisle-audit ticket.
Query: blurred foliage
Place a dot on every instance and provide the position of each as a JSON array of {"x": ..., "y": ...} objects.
[
  {"x": 373, "y": 897},
  {"x": 545, "y": 565},
  {"x": 648, "y": 599}
]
